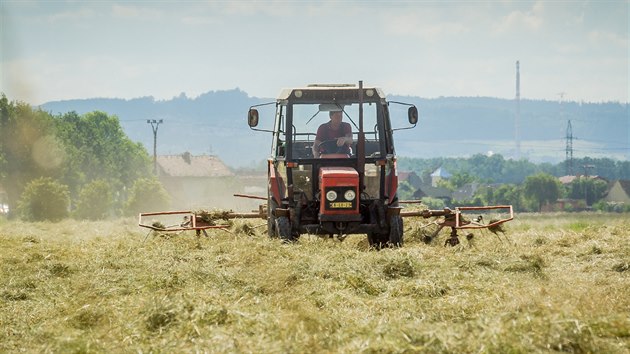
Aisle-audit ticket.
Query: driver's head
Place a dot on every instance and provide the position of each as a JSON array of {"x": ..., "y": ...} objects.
[{"x": 335, "y": 117}]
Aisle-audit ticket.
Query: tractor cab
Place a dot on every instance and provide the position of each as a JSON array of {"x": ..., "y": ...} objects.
[{"x": 333, "y": 186}]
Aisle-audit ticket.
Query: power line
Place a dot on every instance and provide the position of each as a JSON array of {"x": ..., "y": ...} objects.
[{"x": 606, "y": 141}]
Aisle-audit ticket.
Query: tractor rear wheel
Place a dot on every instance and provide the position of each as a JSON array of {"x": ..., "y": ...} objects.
[
  {"x": 283, "y": 228},
  {"x": 271, "y": 226}
]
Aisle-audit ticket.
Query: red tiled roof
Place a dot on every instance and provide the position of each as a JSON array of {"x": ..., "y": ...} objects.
[
  {"x": 567, "y": 179},
  {"x": 187, "y": 165}
]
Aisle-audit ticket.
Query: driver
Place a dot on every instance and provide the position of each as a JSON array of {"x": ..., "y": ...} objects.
[{"x": 334, "y": 129}]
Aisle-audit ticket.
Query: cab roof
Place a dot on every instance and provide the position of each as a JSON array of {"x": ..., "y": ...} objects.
[{"x": 321, "y": 91}]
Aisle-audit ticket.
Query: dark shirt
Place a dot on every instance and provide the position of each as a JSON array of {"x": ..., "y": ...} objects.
[{"x": 326, "y": 131}]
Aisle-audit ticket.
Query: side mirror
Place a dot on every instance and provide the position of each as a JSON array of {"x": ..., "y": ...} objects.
[
  {"x": 252, "y": 117},
  {"x": 412, "y": 115}
]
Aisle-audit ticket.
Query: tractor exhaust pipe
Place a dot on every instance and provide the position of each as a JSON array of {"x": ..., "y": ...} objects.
[{"x": 361, "y": 144}]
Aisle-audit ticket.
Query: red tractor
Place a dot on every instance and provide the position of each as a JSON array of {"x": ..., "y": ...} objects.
[
  {"x": 319, "y": 187},
  {"x": 335, "y": 185}
]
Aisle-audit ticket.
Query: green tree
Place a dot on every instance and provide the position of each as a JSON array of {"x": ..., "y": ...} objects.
[
  {"x": 505, "y": 194},
  {"x": 97, "y": 148},
  {"x": 405, "y": 190},
  {"x": 44, "y": 199},
  {"x": 95, "y": 201},
  {"x": 146, "y": 195},
  {"x": 433, "y": 203},
  {"x": 28, "y": 148},
  {"x": 515, "y": 171},
  {"x": 542, "y": 188},
  {"x": 496, "y": 169},
  {"x": 589, "y": 189},
  {"x": 73, "y": 149},
  {"x": 509, "y": 194},
  {"x": 459, "y": 179}
]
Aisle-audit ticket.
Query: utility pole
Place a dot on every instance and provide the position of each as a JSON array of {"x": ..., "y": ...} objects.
[
  {"x": 568, "y": 152},
  {"x": 517, "y": 134},
  {"x": 586, "y": 168},
  {"x": 154, "y": 125}
]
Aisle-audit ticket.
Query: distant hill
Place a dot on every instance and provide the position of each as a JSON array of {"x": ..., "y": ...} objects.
[{"x": 215, "y": 122}]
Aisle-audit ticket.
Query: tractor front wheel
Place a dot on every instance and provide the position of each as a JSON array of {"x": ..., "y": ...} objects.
[
  {"x": 283, "y": 228},
  {"x": 376, "y": 240},
  {"x": 394, "y": 238},
  {"x": 396, "y": 231}
]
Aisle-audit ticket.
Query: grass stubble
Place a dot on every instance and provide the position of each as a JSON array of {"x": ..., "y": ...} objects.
[{"x": 559, "y": 284}]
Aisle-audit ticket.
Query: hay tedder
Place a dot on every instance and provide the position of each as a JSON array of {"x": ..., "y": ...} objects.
[{"x": 334, "y": 187}]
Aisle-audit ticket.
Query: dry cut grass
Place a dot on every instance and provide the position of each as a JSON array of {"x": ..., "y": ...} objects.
[{"x": 561, "y": 283}]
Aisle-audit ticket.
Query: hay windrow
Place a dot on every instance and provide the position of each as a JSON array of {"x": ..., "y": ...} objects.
[{"x": 212, "y": 216}]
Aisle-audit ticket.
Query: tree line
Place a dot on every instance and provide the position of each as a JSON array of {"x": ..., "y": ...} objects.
[
  {"x": 525, "y": 185},
  {"x": 497, "y": 169},
  {"x": 85, "y": 166},
  {"x": 54, "y": 166}
]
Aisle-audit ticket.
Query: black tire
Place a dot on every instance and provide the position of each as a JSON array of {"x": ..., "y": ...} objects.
[
  {"x": 283, "y": 229},
  {"x": 377, "y": 240},
  {"x": 393, "y": 238},
  {"x": 271, "y": 226},
  {"x": 396, "y": 231}
]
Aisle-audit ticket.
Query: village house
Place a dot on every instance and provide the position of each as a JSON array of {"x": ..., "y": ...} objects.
[
  {"x": 410, "y": 177},
  {"x": 438, "y": 175},
  {"x": 619, "y": 192},
  {"x": 196, "y": 182}
]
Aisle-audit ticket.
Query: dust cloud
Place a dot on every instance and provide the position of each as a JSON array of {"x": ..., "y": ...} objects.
[{"x": 47, "y": 152}]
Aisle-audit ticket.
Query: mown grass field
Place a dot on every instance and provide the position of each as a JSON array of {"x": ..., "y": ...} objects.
[{"x": 561, "y": 285}]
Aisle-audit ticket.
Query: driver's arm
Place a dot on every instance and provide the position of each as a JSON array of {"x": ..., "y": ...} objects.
[
  {"x": 347, "y": 140},
  {"x": 319, "y": 137}
]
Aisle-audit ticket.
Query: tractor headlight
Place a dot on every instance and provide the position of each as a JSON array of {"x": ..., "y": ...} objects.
[
  {"x": 331, "y": 196},
  {"x": 349, "y": 195}
]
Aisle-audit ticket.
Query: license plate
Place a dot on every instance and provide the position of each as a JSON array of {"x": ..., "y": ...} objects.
[{"x": 340, "y": 205}]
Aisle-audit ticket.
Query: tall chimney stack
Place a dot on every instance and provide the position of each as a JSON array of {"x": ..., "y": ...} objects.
[{"x": 517, "y": 119}]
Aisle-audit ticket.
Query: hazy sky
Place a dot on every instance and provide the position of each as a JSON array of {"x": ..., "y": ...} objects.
[{"x": 54, "y": 50}]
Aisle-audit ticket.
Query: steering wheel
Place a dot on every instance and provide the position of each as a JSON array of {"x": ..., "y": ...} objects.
[{"x": 330, "y": 147}]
